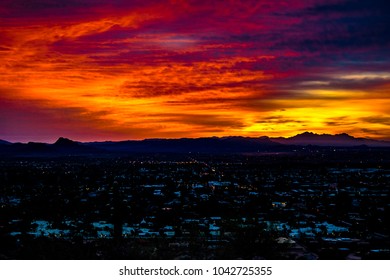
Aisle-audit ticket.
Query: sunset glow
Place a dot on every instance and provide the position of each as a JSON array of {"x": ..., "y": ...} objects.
[{"x": 115, "y": 70}]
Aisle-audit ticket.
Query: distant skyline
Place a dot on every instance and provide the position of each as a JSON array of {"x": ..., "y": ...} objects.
[{"x": 115, "y": 70}]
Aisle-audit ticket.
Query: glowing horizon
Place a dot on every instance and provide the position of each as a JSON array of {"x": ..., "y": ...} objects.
[{"x": 103, "y": 70}]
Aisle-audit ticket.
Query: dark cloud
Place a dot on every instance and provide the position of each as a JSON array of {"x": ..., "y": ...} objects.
[
  {"x": 385, "y": 120},
  {"x": 382, "y": 134},
  {"x": 336, "y": 32},
  {"x": 351, "y": 6},
  {"x": 277, "y": 120},
  {"x": 157, "y": 88},
  {"x": 19, "y": 7},
  {"x": 340, "y": 121}
]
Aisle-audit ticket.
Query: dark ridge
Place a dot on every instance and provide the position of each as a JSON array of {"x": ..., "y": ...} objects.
[
  {"x": 184, "y": 145},
  {"x": 3, "y": 142},
  {"x": 65, "y": 142},
  {"x": 206, "y": 145},
  {"x": 339, "y": 140}
]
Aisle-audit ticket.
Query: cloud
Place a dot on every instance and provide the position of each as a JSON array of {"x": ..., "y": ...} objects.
[
  {"x": 384, "y": 120},
  {"x": 343, "y": 121},
  {"x": 277, "y": 120},
  {"x": 134, "y": 69}
]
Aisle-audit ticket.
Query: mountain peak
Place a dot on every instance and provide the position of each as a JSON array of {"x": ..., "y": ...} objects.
[
  {"x": 65, "y": 142},
  {"x": 311, "y": 135},
  {"x": 342, "y": 139},
  {"x": 3, "y": 142},
  {"x": 345, "y": 135},
  {"x": 306, "y": 134}
]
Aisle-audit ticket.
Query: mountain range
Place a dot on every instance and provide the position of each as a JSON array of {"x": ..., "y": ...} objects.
[
  {"x": 231, "y": 144},
  {"x": 338, "y": 140}
]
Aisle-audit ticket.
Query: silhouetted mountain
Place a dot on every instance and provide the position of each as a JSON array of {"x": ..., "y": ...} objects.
[
  {"x": 65, "y": 146},
  {"x": 62, "y": 147},
  {"x": 3, "y": 142},
  {"x": 338, "y": 140},
  {"x": 31, "y": 148},
  {"x": 232, "y": 144},
  {"x": 65, "y": 142},
  {"x": 184, "y": 145}
]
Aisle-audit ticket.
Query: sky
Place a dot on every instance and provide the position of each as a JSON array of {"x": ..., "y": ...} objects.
[{"x": 94, "y": 70}]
